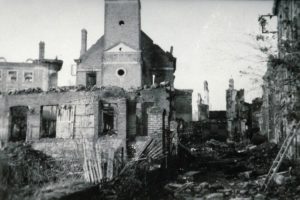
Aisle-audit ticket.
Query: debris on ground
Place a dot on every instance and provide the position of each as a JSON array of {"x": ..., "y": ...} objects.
[
  {"x": 24, "y": 172},
  {"x": 233, "y": 171}
]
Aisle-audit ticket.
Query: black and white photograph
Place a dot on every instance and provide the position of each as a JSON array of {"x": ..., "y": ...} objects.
[{"x": 149, "y": 99}]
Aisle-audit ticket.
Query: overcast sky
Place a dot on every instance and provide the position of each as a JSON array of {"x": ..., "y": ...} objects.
[{"x": 211, "y": 38}]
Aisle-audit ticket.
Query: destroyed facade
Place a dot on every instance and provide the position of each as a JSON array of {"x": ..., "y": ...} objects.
[
  {"x": 237, "y": 113},
  {"x": 124, "y": 96},
  {"x": 36, "y": 73},
  {"x": 281, "y": 88}
]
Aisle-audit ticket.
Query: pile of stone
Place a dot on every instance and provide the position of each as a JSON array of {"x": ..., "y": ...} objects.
[
  {"x": 283, "y": 187},
  {"x": 24, "y": 165},
  {"x": 26, "y": 91},
  {"x": 155, "y": 85},
  {"x": 216, "y": 191},
  {"x": 78, "y": 88}
]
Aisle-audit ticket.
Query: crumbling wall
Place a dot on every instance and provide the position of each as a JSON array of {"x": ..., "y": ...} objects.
[
  {"x": 20, "y": 76},
  {"x": 158, "y": 97},
  {"x": 238, "y": 113},
  {"x": 77, "y": 116},
  {"x": 281, "y": 103},
  {"x": 157, "y": 62},
  {"x": 79, "y": 151},
  {"x": 156, "y": 122},
  {"x": 183, "y": 104}
]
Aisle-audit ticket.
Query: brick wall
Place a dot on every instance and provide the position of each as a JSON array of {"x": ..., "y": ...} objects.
[
  {"x": 155, "y": 122},
  {"x": 77, "y": 117},
  {"x": 148, "y": 98}
]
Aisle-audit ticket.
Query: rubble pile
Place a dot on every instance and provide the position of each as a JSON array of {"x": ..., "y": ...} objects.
[
  {"x": 233, "y": 171},
  {"x": 26, "y": 166},
  {"x": 81, "y": 88},
  {"x": 23, "y": 171},
  {"x": 78, "y": 88},
  {"x": 215, "y": 191},
  {"x": 259, "y": 158},
  {"x": 236, "y": 155},
  {"x": 233, "y": 190},
  {"x": 26, "y": 91}
]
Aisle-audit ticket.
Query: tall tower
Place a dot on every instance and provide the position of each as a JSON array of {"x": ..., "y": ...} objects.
[
  {"x": 122, "y": 23},
  {"x": 122, "y": 55}
]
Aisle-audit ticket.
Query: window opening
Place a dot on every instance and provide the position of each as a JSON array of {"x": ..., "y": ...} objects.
[
  {"x": 18, "y": 123},
  {"x": 12, "y": 76},
  {"x": 121, "y": 72},
  {"x": 49, "y": 120},
  {"x": 121, "y": 23},
  {"x": 28, "y": 77},
  {"x": 91, "y": 79},
  {"x": 108, "y": 119}
]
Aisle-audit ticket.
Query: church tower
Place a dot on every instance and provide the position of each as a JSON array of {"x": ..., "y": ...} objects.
[{"x": 122, "y": 44}]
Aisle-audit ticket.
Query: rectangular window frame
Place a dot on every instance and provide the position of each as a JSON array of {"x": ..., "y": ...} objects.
[
  {"x": 45, "y": 124},
  {"x": 8, "y": 78},
  {"x": 24, "y": 80},
  {"x": 92, "y": 75}
]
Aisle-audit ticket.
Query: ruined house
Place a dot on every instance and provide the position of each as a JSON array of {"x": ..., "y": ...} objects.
[
  {"x": 218, "y": 122},
  {"x": 36, "y": 73},
  {"x": 124, "y": 96},
  {"x": 237, "y": 112},
  {"x": 203, "y": 104},
  {"x": 256, "y": 116},
  {"x": 280, "y": 107}
]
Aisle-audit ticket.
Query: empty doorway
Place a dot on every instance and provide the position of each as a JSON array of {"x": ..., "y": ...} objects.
[
  {"x": 107, "y": 119},
  {"x": 18, "y": 123}
]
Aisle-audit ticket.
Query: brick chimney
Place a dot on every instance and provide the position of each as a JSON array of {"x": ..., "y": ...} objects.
[
  {"x": 41, "y": 50},
  {"x": 83, "y": 41},
  {"x": 171, "y": 50}
]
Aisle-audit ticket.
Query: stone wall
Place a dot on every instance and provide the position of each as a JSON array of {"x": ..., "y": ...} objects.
[{"x": 78, "y": 113}]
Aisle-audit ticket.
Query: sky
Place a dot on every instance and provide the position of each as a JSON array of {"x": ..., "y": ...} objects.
[{"x": 212, "y": 39}]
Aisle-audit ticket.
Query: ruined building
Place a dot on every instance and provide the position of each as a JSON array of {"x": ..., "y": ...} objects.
[
  {"x": 281, "y": 100},
  {"x": 124, "y": 96},
  {"x": 124, "y": 56},
  {"x": 36, "y": 73},
  {"x": 237, "y": 112},
  {"x": 203, "y": 104}
]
